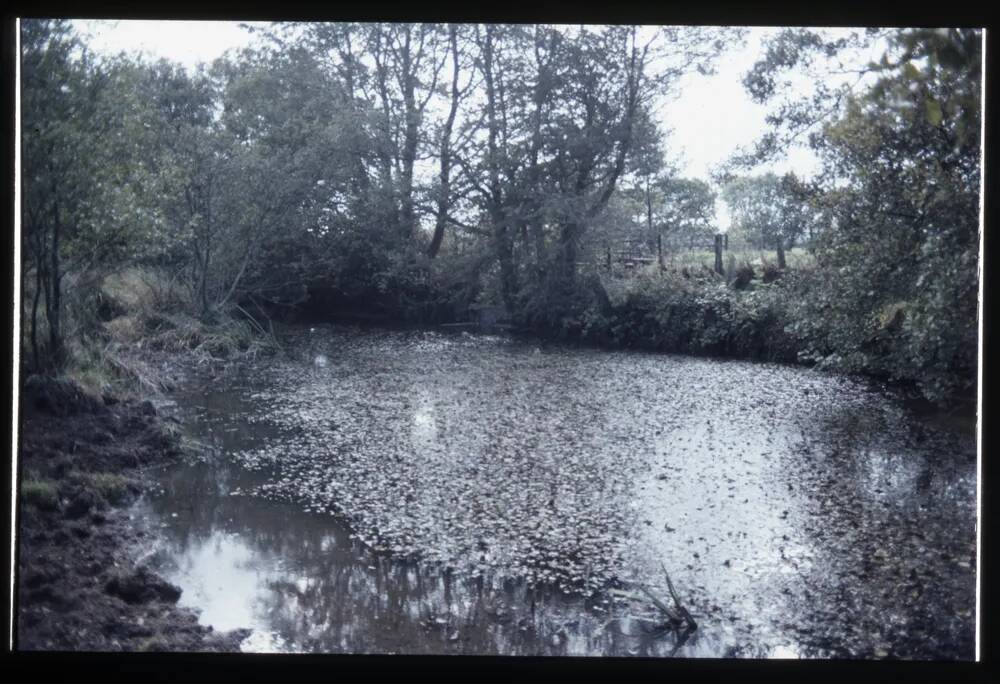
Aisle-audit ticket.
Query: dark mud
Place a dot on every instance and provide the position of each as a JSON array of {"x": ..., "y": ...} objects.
[{"x": 80, "y": 583}]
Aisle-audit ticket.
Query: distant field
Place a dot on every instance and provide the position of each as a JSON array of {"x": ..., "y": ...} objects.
[{"x": 796, "y": 257}]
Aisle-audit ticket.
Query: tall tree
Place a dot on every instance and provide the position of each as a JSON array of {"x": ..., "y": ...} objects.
[
  {"x": 289, "y": 168},
  {"x": 685, "y": 210},
  {"x": 902, "y": 169},
  {"x": 74, "y": 195},
  {"x": 765, "y": 209},
  {"x": 447, "y": 163}
]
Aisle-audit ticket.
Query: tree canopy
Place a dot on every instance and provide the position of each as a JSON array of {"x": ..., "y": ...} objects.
[{"x": 432, "y": 168}]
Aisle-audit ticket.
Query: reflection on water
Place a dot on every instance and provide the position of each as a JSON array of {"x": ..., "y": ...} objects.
[
  {"x": 304, "y": 585},
  {"x": 512, "y": 499}
]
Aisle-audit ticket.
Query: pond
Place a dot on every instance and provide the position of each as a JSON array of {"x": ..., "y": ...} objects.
[{"x": 378, "y": 491}]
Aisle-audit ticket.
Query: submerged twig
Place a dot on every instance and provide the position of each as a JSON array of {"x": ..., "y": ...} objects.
[
  {"x": 677, "y": 602},
  {"x": 678, "y": 615},
  {"x": 678, "y": 620},
  {"x": 664, "y": 608}
]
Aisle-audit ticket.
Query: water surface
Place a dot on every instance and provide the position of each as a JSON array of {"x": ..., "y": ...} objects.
[{"x": 419, "y": 492}]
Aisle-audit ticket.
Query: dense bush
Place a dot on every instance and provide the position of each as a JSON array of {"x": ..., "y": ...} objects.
[
  {"x": 699, "y": 315},
  {"x": 785, "y": 319}
]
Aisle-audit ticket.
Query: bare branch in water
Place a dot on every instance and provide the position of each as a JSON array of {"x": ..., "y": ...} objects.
[
  {"x": 670, "y": 613},
  {"x": 677, "y": 601}
]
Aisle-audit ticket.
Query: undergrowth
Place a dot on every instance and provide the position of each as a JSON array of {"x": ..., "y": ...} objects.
[{"x": 124, "y": 325}]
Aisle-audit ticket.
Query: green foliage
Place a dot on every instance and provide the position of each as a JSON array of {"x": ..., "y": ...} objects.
[
  {"x": 41, "y": 493},
  {"x": 113, "y": 488},
  {"x": 765, "y": 210},
  {"x": 683, "y": 212},
  {"x": 155, "y": 644},
  {"x": 899, "y": 269},
  {"x": 695, "y": 314},
  {"x": 894, "y": 215},
  {"x": 75, "y": 210},
  {"x": 161, "y": 206}
]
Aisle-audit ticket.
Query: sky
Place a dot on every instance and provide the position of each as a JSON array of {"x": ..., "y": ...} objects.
[
  {"x": 713, "y": 116},
  {"x": 710, "y": 119}
]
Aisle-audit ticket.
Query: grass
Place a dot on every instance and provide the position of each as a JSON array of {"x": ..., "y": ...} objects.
[
  {"x": 158, "y": 314},
  {"x": 105, "y": 487},
  {"x": 797, "y": 257},
  {"x": 114, "y": 488},
  {"x": 41, "y": 493},
  {"x": 146, "y": 289},
  {"x": 154, "y": 644},
  {"x": 112, "y": 324}
]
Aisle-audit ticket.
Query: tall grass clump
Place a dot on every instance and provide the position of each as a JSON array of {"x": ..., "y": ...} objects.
[{"x": 120, "y": 325}]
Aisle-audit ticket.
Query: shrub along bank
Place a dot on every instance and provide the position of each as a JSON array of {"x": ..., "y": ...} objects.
[
  {"x": 776, "y": 316},
  {"x": 754, "y": 311}
]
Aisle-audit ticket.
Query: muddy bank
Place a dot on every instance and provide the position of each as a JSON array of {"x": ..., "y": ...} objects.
[{"x": 81, "y": 585}]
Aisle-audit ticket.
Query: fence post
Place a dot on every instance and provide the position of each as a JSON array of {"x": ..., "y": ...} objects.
[{"x": 718, "y": 253}]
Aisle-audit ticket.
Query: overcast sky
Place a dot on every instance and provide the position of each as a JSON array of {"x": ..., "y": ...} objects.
[{"x": 710, "y": 119}]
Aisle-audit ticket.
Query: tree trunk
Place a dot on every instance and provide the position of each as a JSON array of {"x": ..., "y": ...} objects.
[
  {"x": 438, "y": 237},
  {"x": 781, "y": 253},
  {"x": 445, "y": 172},
  {"x": 55, "y": 329},
  {"x": 505, "y": 255},
  {"x": 718, "y": 254},
  {"x": 649, "y": 208},
  {"x": 566, "y": 268},
  {"x": 385, "y": 147},
  {"x": 208, "y": 249},
  {"x": 34, "y": 316},
  {"x": 348, "y": 72},
  {"x": 407, "y": 216},
  {"x": 601, "y": 294},
  {"x": 540, "y": 95},
  {"x": 203, "y": 285},
  {"x": 499, "y": 214},
  {"x": 538, "y": 234}
]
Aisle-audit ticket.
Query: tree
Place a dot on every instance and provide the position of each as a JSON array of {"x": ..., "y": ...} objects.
[
  {"x": 646, "y": 170},
  {"x": 447, "y": 164},
  {"x": 767, "y": 210},
  {"x": 606, "y": 88},
  {"x": 565, "y": 111},
  {"x": 288, "y": 171},
  {"x": 687, "y": 210},
  {"x": 403, "y": 87},
  {"x": 77, "y": 206},
  {"x": 902, "y": 170},
  {"x": 806, "y": 75},
  {"x": 182, "y": 158}
]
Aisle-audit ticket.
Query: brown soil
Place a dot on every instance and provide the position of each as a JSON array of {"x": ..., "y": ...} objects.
[{"x": 79, "y": 586}]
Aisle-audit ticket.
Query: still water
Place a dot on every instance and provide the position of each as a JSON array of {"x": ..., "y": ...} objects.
[{"x": 420, "y": 492}]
